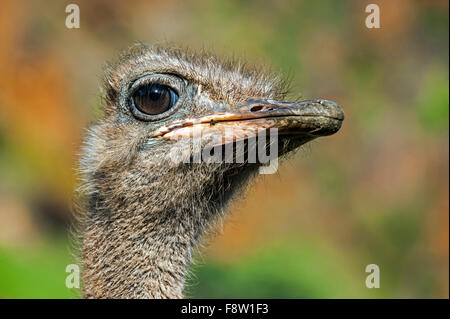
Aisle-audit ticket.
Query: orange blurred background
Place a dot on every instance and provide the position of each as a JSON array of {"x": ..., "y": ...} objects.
[{"x": 377, "y": 192}]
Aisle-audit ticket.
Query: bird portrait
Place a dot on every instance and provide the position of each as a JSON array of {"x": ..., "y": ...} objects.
[
  {"x": 142, "y": 213},
  {"x": 222, "y": 157}
]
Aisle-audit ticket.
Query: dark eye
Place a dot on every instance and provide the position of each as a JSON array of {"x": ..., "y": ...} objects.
[{"x": 153, "y": 98}]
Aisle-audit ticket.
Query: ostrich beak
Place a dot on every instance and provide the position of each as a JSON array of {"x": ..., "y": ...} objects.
[{"x": 309, "y": 118}]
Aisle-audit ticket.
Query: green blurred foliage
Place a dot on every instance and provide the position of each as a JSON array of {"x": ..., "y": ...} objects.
[
  {"x": 433, "y": 101},
  {"x": 36, "y": 272},
  {"x": 284, "y": 269}
]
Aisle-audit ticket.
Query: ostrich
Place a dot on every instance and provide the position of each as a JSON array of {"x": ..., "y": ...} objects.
[{"x": 142, "y": 213}]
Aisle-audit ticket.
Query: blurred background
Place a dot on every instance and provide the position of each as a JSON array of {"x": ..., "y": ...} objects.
[{"x": 376, "y": 192}]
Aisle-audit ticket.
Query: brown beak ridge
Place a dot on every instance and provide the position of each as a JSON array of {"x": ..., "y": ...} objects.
[{"x": 313, "y": 118}]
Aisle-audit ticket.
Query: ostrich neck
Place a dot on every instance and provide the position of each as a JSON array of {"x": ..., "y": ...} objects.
[
  {"x": 137, "y": 254},
  {"x": 139, "y": 234}
]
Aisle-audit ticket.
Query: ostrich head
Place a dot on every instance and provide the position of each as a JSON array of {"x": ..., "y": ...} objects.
[{"x": 145, "y": 206}]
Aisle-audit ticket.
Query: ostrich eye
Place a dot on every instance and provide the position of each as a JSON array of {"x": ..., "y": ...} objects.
[{"x": 153, "y": 99}]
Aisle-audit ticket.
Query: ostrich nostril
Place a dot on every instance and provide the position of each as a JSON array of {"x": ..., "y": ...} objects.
[{"x": 260, "y": 108}]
